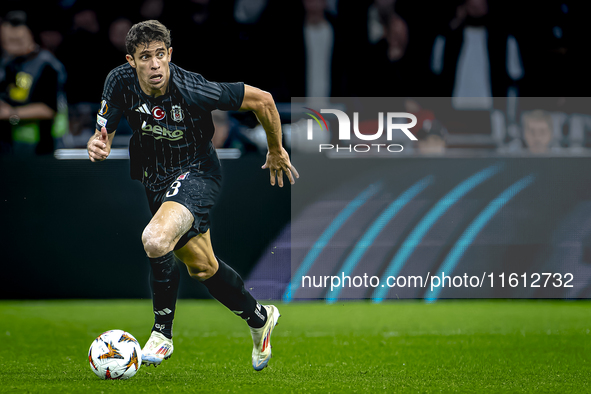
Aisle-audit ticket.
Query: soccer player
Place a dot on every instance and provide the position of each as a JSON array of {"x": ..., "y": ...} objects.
[{"x": 171, "y": 153}]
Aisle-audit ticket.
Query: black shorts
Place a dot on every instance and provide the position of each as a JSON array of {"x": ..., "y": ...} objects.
[{"x": 197, "y": 192}]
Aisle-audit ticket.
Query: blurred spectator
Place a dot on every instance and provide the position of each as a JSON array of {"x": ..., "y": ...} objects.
[
  {"x": 364, "y": 27},
  {"x": 319, "y": 43},
  {"x": 365, "y": 21},
  {"x": 431, "y": 139},
  {"x": 84, "y": 41},
  {"x": 222, "y": 128},
  {"x": 82, "y": 125},
  {"x": 274, "y": 49},
  {"x": 33, "y": 109},
  {"x": 229, "y": 133},
  {"x": 45, "y": 18},
  {"x": 117, "y": 33},
  {"x": 396, "y": 37},
  {"x": 353, "y": 22},
  {"x": 50, "y": 40},
  {"x": 249, "y": 11},
  {"x": 537, "y": 131},
  {"x": 51, "y": 30},
  {"x": 116, "y": 47},
  {"x": 390, "y": 69},
  {"x": 201, "y": 37},
  {"x": 378, "y": 17},
  {"x": 151, "y": 9},
  {"x": 113, "y": 53},
  {"x": 476, "y": 58},
  {"x": 315, "y": 61},
  {"x": 430, "y": 133},
  {"x": 555, "y": 42}
]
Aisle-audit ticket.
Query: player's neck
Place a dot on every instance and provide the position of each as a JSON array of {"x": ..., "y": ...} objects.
[{"x": 157, "y": 92}]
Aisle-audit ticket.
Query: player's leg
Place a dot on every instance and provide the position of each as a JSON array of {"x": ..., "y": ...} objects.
[
  {"x": 160, "y": 236},
  {"x": 169, "y": 224},
  {"x": 225, "y": 285}
]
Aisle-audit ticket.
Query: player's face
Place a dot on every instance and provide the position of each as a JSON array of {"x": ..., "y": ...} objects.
[{"x": 151, "y": 63}]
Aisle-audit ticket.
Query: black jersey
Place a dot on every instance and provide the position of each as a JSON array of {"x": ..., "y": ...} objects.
[{"x": 171, "y": 133}]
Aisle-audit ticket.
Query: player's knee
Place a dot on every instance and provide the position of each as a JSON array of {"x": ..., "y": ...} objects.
[
  {"x": 155, "y": 245},
  {"x": 202, "y": 268}
]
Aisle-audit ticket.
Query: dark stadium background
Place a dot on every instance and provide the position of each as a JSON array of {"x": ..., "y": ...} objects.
[{"x": 71, "y": 229}]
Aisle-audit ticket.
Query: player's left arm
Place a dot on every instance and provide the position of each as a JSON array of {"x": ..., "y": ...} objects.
[{"x": 263, "y": 106}]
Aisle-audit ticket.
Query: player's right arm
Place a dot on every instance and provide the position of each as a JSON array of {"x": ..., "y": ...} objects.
[
  {"x": 99, "y": 145},
  {"x": 108, "y": 116}
]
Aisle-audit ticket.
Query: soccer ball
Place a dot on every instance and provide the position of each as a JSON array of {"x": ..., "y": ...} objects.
[{"x": 115, "y": 354}]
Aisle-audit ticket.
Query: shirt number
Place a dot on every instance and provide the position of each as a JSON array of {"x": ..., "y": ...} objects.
[{"x": 174, "y": 189}]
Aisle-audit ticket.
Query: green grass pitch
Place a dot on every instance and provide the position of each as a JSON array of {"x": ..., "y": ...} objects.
[{"x": 398, "y": 346}]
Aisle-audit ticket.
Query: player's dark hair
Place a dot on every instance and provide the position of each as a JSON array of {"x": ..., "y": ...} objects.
[{"x": 144, "y": 33}]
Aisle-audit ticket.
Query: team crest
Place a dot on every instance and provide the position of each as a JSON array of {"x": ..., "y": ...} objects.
[{"x": 176, "y": 113}]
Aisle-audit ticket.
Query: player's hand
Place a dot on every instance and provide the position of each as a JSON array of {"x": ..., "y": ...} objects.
[
  {"x": 278, "y": 163},
  {"x": 98, "y": 148}
]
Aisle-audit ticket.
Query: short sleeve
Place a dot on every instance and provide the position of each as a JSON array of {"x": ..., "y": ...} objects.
[
  {"x": 231, "y": 96},
  {"x": 111, "y": 109},
  {"x": 210, "y": 95}
]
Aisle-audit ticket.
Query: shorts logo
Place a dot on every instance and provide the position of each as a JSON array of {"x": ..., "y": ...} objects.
[
  {"x": 176, "y": 113},
  {"x": 101, "y": 121},
  {"x": 184, "y": 176},
  {"x": 158, "y": 113},
  {"x": 104, "y": 108}
]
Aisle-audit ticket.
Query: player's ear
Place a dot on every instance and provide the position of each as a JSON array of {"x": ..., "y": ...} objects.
[
  {"x": 130, "y": 60},
  {"x": 169, "y": 53}
]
